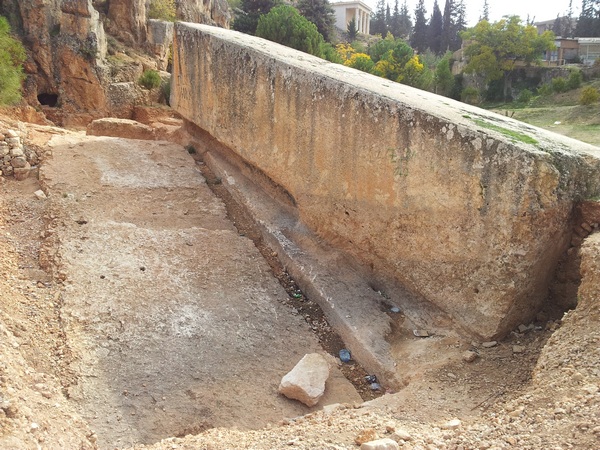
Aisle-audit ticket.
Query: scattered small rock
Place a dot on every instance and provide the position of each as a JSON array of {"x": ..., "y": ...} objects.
[
  {"x": 40, "y": 194},
  {"x": 469, "y": 356},
  {"x": 380, "y": 444},
  {"x": 518, "y": 349},
  {"x": 421, "y": 333},
  {"x": 366, "y": 435},
  {"x": 345, "y": 355},
  {"x": 401, "y": 435},
  {"x": 451, "y": 424},
  {"x": 523, "y": 328},
  {"x": 489, "y": 344}
]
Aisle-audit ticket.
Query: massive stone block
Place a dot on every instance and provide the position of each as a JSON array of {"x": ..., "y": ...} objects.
[{"x": 467, "y": 209}]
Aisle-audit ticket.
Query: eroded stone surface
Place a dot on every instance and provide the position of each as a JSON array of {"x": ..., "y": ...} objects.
[{"x": 412, "y": 184}]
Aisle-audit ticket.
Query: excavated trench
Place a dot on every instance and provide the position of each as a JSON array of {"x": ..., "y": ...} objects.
[
  {"x": 297, "y": 300},
  {"x": 172, "y": 320}
]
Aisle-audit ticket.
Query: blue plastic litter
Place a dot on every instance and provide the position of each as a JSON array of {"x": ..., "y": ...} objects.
[
  {"x": 371, "y": 379},
  {"x": 375, "y": 386},
  {"x": 395, "y": 309},
  {"x": 345, "y": 355}
]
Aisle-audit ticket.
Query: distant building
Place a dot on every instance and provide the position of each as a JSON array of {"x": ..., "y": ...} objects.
[
  {"x": 566, "y": 51},
  {"x": 589, "y": 49},
  {"x": 346, "y": 11}
]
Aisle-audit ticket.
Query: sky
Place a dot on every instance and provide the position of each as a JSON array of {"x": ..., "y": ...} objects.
[{"x": 540, "y": 9}]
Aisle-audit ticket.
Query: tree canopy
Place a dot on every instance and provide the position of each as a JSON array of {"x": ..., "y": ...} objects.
[
  {"x": 285, "y": 25},
  {"x": 246, "y": 17},
  {"x": 495, "y": 49},
  {"x": 321, "y": 14}
]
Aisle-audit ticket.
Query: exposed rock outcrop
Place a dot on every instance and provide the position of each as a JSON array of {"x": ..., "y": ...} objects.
[{"x": 209, "y": 12}]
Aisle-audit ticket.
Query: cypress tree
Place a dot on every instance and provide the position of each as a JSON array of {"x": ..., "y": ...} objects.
[
  {"x": 420, "y": 35},
  {"x": 434, "y": 41}
]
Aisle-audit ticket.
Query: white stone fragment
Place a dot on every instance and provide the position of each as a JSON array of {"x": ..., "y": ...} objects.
[
  {"x": 380, "y": 444},
  {"x": 40, "y": 194},
  {"x": 306, "y": 381},
  {"x": 451, "y": 424}
]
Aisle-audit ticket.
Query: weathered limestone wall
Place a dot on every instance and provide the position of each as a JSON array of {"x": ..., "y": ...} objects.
[{"x": 415, "y": 185}]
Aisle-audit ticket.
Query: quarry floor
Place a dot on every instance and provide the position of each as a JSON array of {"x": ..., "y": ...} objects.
[{"x": 133, "y": 310}]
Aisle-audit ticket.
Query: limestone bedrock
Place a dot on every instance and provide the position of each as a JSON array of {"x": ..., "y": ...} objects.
[{"x": 467, "y": 209}]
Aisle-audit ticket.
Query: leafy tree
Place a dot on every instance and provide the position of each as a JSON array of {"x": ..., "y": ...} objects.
[
  {"x": 395, "y": 60},
  {"x": 12, "y": 57},
  {"x": 352, "y": 30},
  {"x": 246, "y": 18},
  {"x": 444, "y": 80},
  {"x": 163, "y": 10},
  {"x": 575, "y": 79},
  {"x": 285, "y": 25},
  {"x": 378, "y": 25},
  {"x": 435, "y": 30},
  {"x": 496, "y": 48},
  {"x": 321, "y": 14},
  {"x": 420, "y": 35}
]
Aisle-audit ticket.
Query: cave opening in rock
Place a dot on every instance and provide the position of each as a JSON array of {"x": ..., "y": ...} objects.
[{"x": 48, "y": 99}]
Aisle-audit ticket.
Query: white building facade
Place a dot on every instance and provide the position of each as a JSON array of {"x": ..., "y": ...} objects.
[{"x": 345, "y": 11}]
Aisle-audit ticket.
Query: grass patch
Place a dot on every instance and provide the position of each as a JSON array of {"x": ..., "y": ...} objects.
[{"x": 514, "y": 135}]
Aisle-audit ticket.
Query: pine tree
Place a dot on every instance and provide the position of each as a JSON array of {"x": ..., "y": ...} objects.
[
  {"x": 378, "y": 20},
  {"x": 486, "y": 11},
  {"x": 434, "y": 41},
  {"x": 419, "y": 37},
  {"x": 447, "y": 26},
  {"x": 321, "y": 14},
  {"x": 568, "y": 26},
  {"x": 246, "y": 20},
  {"x": 460, "y": 24},
  {"x": 405, "y": 22},
  {"x": 352, "y": 30},
  {"x": 394, "y": 25},
  {"x": 588, "y": 24},
  {"x": 557, "y": 26}
]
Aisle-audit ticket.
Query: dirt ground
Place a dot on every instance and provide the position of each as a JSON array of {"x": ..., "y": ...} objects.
[{"x": 111, "y": 303}]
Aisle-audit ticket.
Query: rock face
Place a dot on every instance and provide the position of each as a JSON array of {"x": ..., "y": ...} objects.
[
  {"x": 435, "y": 195},
  {"x": 306, "y": 381},
  {"x": 209, "y": 12},
  {"x": 129, "y": 19},
  {"x": 67, "y": 45}
]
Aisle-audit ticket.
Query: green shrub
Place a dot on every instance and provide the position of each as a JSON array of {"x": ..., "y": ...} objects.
[
  {"x": 163, "y": 10},
  {"x": 574, "y": 80},
  {"x": 545, "y": 90},
  {"x": 589, "y": 95},
  {"x": 285, "y": 25},
  {"x": 150, "y": 79},
  {"x": 525, "y": 96},
  {"x": 470, "y": 95},
  {"x": 329, "y": 53},
  {"x": 12, "y": 57},
  {"x": 559, "y": 84}
]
